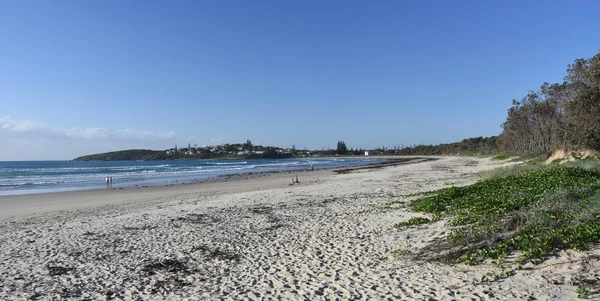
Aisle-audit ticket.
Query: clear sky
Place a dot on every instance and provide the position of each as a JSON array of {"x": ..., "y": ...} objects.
[{"x": 80, "y": 77}]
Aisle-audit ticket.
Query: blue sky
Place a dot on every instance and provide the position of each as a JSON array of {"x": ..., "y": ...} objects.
[{"x": 79, "y": 77}]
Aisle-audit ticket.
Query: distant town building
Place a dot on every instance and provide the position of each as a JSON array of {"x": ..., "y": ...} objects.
[{"x": 366, "y": 154}]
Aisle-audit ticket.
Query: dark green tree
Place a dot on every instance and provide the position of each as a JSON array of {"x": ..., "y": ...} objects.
[
  {"x": 247, "y": 145},
  {"x": 341, "y": 148}
]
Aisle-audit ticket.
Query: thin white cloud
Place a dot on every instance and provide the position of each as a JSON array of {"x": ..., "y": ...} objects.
[
  {"x": 29, "y": 140},
  {"x": 11, "y": 125}
]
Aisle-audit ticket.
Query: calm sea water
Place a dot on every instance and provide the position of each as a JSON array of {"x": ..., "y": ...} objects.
[{"x": 22, "y": 177}]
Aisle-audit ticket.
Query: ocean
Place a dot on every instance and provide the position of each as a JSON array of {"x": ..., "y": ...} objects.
[{"x": 25, "y": 177}]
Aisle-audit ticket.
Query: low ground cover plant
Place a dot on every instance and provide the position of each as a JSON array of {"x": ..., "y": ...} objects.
[
  {"x": 415, "y": 221},
  {"x": 531, "y": 213},
  {"x": 500, "y": 157}
]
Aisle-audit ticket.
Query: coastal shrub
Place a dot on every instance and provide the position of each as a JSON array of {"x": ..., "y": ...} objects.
[{"x": 535, "y": 212}]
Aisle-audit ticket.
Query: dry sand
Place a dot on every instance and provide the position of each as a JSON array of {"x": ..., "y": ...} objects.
[{"x": 327, "y": 237}]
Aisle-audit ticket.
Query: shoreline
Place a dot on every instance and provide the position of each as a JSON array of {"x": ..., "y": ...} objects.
[
  {"x": 328, "y": 237},
  {"x": 38, "y": 203},
  {"x": 172, "y": 180}
]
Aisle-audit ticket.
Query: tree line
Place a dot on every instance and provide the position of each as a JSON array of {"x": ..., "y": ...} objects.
[
  {"x": 563, "y": 114},
  {"x": 470, "y": 146},
  {"x": 557, "y": 115}
]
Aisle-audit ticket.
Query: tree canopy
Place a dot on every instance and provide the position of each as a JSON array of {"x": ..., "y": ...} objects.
[
  {"x": 563, "y": 114},
  {"x": 341, "y": 148}
]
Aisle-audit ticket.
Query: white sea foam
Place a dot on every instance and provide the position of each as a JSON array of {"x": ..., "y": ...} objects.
[{"x": 67, "y": 175}]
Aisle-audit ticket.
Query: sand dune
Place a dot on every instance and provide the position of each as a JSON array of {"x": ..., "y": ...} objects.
[{"x": 328, "y": 237}]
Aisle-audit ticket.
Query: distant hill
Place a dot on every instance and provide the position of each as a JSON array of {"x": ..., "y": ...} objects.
[
  {"x": 126, "y": 155},
  {"x": 471, "y": 146},
  {"x": 225, "y": 151}
]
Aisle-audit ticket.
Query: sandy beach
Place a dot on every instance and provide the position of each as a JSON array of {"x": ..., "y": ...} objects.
[{"x": 328, "y": 237}]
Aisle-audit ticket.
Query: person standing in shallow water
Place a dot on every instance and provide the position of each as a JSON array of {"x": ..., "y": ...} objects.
[{"x": 107, "y": 181}]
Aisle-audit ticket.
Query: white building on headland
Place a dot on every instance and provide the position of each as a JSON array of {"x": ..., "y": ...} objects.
[{"x": 366, "y": 154}]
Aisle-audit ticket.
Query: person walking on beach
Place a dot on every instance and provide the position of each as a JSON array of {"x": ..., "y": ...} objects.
[{"x": 107, "y": 181}]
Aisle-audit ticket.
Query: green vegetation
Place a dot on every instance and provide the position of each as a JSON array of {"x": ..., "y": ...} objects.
[
  {"x": 341, "y": 148},
  {"x": 532, "y": 212},
  {"x": 245, "y": 150},
  {"x": 224, "y": 151},
  {"x": 400, "y": 253},
  {"x": 583, "y": 292},
  {"x": 126, "y": 155},
  {"x": 533, "y": 164},
  {"x": 184, "y": 154},
  {"x": 415, "y": 221},
  {"x": 559, "y": 115},
  {"x": 470, "y": 146}
]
